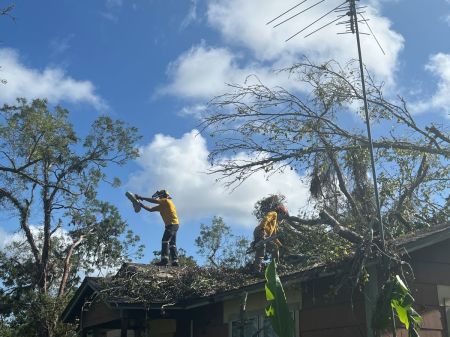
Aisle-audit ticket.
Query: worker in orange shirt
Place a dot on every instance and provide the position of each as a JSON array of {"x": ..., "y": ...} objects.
[
  {"x": 166, "y": 208},
  {"x": 266, "y": 229}
]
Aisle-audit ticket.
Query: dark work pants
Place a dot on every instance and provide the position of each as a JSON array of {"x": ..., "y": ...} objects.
[
  {"x": 169, "y": 243},
  {"x": 259, "y": 235},
  {"x": 260, "y": 252}
]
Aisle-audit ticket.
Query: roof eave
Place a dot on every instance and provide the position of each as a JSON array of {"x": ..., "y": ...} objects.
[
  {"x": 68, "y": 311},
  {"x": 427, "y": 241}
]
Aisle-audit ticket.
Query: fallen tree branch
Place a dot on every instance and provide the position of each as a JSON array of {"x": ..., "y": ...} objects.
[
  {"x": 339, "y": 229},
  {"x": 327, "y": 219}
]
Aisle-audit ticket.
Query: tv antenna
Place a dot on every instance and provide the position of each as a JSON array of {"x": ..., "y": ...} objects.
[{"x": 345, "y": 14}]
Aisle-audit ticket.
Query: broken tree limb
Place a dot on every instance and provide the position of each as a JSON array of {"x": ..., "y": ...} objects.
[
  {"x": 307, "y": 222},
  {"x": 339, "y": 229},
  {"x": 326, "y": 219}
]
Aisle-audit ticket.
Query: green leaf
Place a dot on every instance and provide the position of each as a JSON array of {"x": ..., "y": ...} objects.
[
  {"x": 269, "y": 295},
  {"x": 278, "y": 310},
  {"x": 396, "y": 296},
  {"x": 401, "y": 313},
  {"x": 270, "y": 311}
]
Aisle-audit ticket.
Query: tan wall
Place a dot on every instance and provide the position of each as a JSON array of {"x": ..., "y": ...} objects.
[
  {"x": 256, "y": 302},
  {"x": 162, "y": 327},
  {"x": 99, "y": 313}
]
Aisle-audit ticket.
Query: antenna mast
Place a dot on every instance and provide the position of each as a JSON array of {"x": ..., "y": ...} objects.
[
  {"x": 346, "y": 8},
  {"x": 355, "y": 29}
]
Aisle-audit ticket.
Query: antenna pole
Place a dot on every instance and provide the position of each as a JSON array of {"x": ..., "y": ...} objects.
[
  {"x": 354, "y": 21},
  {"x": 354, "y": 27}
]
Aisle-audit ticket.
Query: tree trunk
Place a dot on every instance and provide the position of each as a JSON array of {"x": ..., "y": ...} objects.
[
  {"x": 68, "y": 266},
  {"x": 43, "y": 286},
  {"x": 24, "y": 213}
]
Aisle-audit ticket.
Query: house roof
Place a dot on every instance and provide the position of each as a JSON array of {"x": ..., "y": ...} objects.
[
  {"x": 138, "y": 286},
  {"x": 87, "y": 289},
  {"x": 424, "y": 238},
  {"x": 148, "y": 286}
]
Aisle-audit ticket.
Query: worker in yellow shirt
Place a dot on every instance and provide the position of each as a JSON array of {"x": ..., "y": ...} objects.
[
  {"x": 266, "y": 229},
  {"x": 166, "y": 208}
]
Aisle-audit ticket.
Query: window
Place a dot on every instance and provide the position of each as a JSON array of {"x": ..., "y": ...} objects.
[
  {"x": 251, "y": 327},
  {"x": 257, "y": 325}
]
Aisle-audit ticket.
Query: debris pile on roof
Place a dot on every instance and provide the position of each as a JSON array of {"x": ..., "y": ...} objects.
[
  {"x": 151, "y": 284},
  {"x": 141, "y": 283}
]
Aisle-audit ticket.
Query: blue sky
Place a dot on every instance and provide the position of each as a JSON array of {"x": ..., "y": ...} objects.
[{"x": 155, "y": 63}]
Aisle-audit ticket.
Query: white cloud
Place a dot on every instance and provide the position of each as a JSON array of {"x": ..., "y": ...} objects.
[
  {"x": 180, "y": 166},
  {"x": 201, "y": 72},
  {"x": 7, "y": 238},
  {"x": 204, "y": 72},
  {"x": 439, "y": 66},
  {"x": 51, "y": 83},
  {"x": 252, "y": 47},
  {"x": 195, "y": 110},
  {"x": 243, "y": 23}
]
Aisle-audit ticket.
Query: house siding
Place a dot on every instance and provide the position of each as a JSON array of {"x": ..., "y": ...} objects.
[
  {"x": 208, "y": 322},
  {"x": 323, "y": 315},
  {"x": 318, "y": 312},
  {"x": 431, "y": 268},
  {"x": 326, "y": 315},
  {"x": 99, "y": 314}
]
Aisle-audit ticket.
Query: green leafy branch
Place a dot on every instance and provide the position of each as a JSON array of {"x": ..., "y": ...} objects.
[{"x": 396, "y": 297}]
